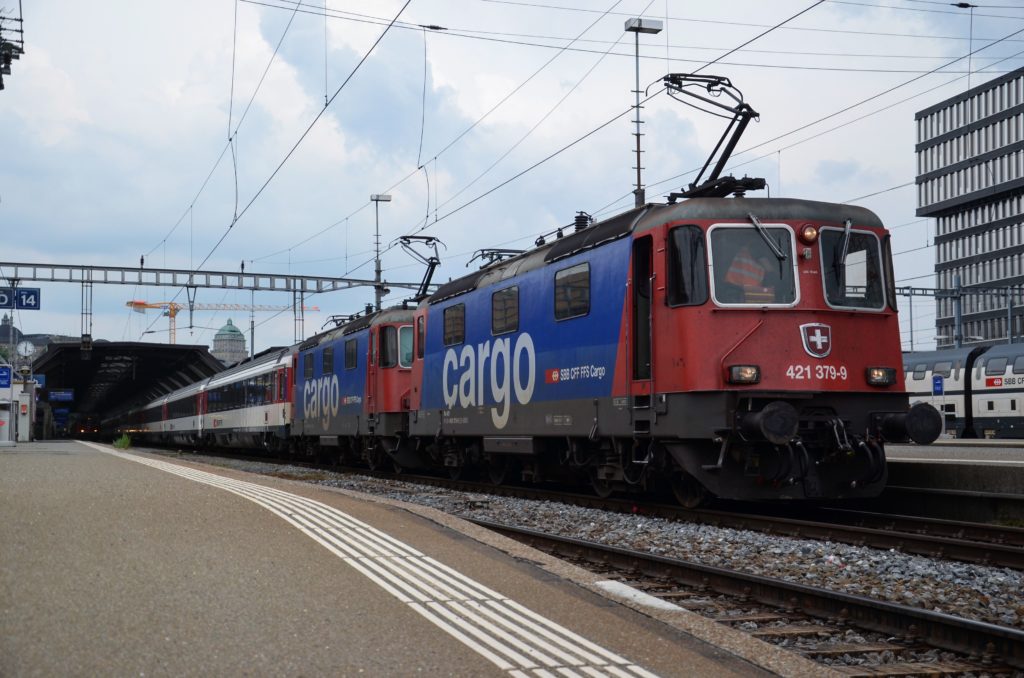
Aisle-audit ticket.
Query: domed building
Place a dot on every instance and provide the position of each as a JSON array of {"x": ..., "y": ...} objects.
[
  {"x": 6, "y": 329},
  {"x": 229, "y": 345}
]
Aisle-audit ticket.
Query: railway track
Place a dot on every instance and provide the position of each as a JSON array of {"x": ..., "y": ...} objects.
[
  {"x": 967, "y": 542},
  {"x": 882, "y": 638}
]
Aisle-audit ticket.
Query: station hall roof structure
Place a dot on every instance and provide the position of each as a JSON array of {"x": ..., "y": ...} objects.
[{"x": 115, "y": 376}]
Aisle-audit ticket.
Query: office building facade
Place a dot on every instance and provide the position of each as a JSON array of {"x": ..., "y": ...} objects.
[{"x": 970, "y": 179}]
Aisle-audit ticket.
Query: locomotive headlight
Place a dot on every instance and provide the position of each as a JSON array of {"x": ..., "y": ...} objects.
[
  {"x": 744, "y": 374},
  {"x": 881, "y": 376},
  {"x": 808, "y": 234}
]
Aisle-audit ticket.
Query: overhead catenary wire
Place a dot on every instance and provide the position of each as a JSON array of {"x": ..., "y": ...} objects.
[
  {"x": 301, "y": 138},
  {"x": 459, "y": 34},
  {"x": 231, "y": 135}
]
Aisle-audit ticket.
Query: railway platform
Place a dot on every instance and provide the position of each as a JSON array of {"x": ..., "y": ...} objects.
[{"x": 118, "y": 563}]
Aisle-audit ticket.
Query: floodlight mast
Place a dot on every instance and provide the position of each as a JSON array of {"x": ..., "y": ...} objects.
[{"x": 637, "y": 26}]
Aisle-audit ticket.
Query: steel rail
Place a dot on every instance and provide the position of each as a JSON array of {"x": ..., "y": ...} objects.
[{"x": 946, "y": 631}]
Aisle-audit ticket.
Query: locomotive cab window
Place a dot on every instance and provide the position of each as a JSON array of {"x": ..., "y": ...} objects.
[
  {"x": 748, "y": 271},
  {"x": 454, "y": 324},
  {"x": 505, "y": 311},
  {"x": 405, "y": 346},
  {"x": 572, "y": 292},
  {"x": 687, "y": 267},
  {"x": 1018, "y": 365},
  {"x": 388, "y": 346},
  {"x": 851, "y": 268}
]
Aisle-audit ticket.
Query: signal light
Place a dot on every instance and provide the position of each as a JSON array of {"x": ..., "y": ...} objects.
[
  {"x": 881, "y": 376},
  {"x": 744, "y": 374},
  {"x": 808, "y": 234}
]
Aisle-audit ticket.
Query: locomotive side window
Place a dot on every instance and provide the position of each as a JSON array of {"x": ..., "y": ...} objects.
[
  {"x": 995, "y": 367},
  {"x": 454, "y": 324},
  {"x": 328, "y": 360},
  {"x": 687, "y": 267},
  {"x": 1018, "y": 365},
  {"x": 943, "y": 369},
  {"x": 351, "y": 356},
  {"x": 388, "y": 346},
  {"x": 307, "y": 366},
  {"x": 852, "y": 269},
  {"x": 405, "y": 346},
  {"x": 421, "y": 335},
  {"x": 747, "y": 270},
  {"x": 572, "y": 292},
  {"x": 505, "y": 311}
]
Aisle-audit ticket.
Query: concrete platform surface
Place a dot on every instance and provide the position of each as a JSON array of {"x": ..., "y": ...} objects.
[{"x": 118, "y": 564}]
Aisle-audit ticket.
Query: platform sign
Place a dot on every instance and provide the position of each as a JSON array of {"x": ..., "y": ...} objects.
[
  {"x": 24, "y": 298},
  {"x": 938, "y": 385},
  {"x": 28, "y": 298},
  {"x": 64, "y": 395},
  {"x": 5, "y": 376}
]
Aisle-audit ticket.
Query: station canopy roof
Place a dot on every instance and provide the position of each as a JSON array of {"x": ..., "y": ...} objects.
[{"x": 116, "y": 376}]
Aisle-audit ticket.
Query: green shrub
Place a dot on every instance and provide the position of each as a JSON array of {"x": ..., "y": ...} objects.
[{"x": 124, "y": 442}]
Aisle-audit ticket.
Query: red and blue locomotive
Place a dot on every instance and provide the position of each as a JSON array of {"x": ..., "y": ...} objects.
[{"x": 746, "y": 348}]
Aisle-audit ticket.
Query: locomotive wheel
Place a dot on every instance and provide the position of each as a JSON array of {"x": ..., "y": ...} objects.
[
  {"x": 687, "y": 490},
  {"x": 603, "y": 488},
  {"x": 377, "y": 459},
  {"x": 499, "y": 469}
]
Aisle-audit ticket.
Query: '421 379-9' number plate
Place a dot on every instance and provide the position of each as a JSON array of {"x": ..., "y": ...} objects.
[{"x": 826, "y": 372}]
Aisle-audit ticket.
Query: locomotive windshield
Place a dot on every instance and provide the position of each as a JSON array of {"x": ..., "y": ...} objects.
[
  {"x": 746, "y": 270},
  {"x": 851, "y": 263}
]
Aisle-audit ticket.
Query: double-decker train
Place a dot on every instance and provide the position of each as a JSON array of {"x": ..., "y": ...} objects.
[
  {"x": 979, "y": 390},
  {"x": 745, "y": 348}
]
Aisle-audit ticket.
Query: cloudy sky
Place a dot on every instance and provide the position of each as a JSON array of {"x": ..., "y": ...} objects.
[{"x": 115, "y": 127}]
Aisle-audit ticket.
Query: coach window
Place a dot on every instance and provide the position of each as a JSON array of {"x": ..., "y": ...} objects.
[
  {"x": 307, "y": 366},
  {"x": 919, "y": 371},
  {"x": 687, "y": 267},
  {"x": 505, "y": 311},
  {"x": 329, "y": 360},
  {"x": 572, "y": 292},
  {"x": 995, "y": 367},
  {"x": 454, "y": 324},
  {"x": 943, "y": 369},
  {"x": 753, "y": 266},
  {"x": 388, "y": 346},
  {"x": 421, "y": 335}
]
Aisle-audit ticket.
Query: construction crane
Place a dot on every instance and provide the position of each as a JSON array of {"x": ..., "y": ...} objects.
[{"x": 171, "y": 309}]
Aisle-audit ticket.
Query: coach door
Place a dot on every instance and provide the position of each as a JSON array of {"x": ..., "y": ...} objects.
[{"x": 642, "y": 332}]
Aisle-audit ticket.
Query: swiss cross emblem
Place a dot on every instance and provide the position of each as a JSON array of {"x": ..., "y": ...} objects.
[{"x": 817, "y": 338}]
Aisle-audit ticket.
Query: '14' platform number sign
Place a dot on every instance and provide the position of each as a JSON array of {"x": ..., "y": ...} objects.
[{"x": 26, "y": 298}]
